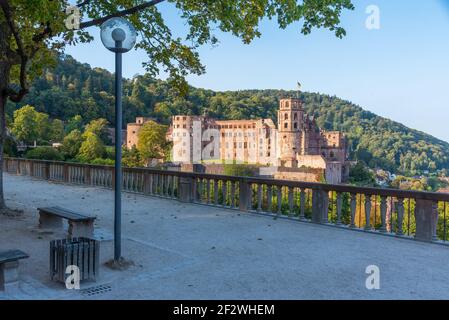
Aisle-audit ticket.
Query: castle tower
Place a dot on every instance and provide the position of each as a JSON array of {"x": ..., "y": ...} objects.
[{"x": 290, "y": 126}]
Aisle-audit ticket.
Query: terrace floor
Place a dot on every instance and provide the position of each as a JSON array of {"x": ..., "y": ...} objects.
[{"x": 187, "y": 251}]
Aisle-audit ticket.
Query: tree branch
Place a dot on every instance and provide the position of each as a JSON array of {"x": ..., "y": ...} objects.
[
  {"x": 16, "y": 96},
  {"x": 122, "y": 13}
]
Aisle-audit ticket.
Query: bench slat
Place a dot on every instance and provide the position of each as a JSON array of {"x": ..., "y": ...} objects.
[
  {"x": 12, "y": 255},
  {"x": 65, "y": 213}
]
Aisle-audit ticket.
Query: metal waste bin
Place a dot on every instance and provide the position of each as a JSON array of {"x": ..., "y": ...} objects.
[{"x": 83, "y": 253}]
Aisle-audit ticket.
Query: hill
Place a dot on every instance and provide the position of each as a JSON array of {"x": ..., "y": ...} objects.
[{"x": 73, "y": 89}]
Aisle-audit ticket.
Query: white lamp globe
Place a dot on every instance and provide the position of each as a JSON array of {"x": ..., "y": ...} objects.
[{"x": 118, "y": 35}]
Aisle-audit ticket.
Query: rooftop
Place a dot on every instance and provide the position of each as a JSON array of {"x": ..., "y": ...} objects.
[{"x": 189, "y": 251}]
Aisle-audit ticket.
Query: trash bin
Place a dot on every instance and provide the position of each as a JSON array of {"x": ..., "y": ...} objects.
[{"x": 83, "y": 253}]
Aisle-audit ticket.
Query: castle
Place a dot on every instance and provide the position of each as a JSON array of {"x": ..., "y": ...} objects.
[{"x": 297, "y": 148}]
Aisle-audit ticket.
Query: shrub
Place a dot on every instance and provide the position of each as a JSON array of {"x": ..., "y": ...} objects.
[
  {"x": 103, "y": 162},
  {"x": 239, "y": 170},
  {"x": 44, "y": 153}
]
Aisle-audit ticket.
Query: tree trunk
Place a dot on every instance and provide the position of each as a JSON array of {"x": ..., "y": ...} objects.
[{"x": 5, "y": 69}]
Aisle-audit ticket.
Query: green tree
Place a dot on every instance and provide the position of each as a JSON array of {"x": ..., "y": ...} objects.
[
  {"x": 91, "y": 148},
  {"x": 43, "y": 126},
  {"x": 30, "y": 125},
  {"x": 44, "y": 153},
  {"x": 31, "y": 32},
  {"x": 72, "y": 143},
  {"x": 25, "y": 126},
  {"x": 131, "y": 158},
  {"x": 57, "y": 130},
  {"x": 75, "y": 123},
  {"x": 99, "y": 128},
  {"x": 152, "y": 143},
  {"x": 360, "y": 174}
]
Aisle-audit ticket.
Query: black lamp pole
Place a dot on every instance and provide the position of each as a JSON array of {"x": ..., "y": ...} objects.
[{"x": 118, "y": 35}]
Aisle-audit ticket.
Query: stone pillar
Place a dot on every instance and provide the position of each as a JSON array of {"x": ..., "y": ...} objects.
[
  {"x": 244, "y": 195},
  {"x": 320, "y": 206},
  {"x": 65, "y": 173},
  {"x": 9, "y": 276},
  {"x": 186, "y": 189},
  {"x": 426, "y": 216},
  {"x": 49, "y": 221},
  {"x": 47, "y": 171},
  {"x": 81, "y": 229}
]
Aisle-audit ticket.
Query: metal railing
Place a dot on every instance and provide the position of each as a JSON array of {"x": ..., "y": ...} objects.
[{"x": 409, "y": 214}]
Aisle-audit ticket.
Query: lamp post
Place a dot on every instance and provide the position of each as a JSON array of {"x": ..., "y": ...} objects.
[{"x": 118, "y": 36}]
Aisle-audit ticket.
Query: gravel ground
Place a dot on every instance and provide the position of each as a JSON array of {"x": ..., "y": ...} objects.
[{"x": 186, "y": 251}]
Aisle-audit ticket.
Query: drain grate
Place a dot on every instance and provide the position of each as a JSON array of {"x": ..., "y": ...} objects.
[{"x": 93, "y": 291}]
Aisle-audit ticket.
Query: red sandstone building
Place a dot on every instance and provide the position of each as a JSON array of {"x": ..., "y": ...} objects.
[{"x": 297, "y": 149}]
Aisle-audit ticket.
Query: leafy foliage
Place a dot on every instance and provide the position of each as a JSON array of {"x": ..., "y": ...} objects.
[
  {"x": 91, "y": 148},
  {"x": 152, "y": 143},
  {"x": 44, "y": 153},
  {"x": 377, "y": 141}
]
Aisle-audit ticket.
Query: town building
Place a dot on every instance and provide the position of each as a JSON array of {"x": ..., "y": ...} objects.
[
  {"x": 297, "y": 148},
  {"x": 132, "y": 131}
]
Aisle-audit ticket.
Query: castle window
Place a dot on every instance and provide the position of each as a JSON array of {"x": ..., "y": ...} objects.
[
  {"x": 184, "y": 126},
  {"x": 286, "y": 104},
  {"x": 245, "y": 145},
  {"x": 332, "y": 154},
  {"x": 324, "y": 154},
  {"x": 286, "y": 116},
  {"x": 295, "y": 125},
  {"x": 184, "y": 118},
  {"x": 295, "y": 116},
  {"x": 286, "y": 125}
]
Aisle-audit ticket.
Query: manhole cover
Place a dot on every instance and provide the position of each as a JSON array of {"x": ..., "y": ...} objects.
[{"x": 93, "y": 291}]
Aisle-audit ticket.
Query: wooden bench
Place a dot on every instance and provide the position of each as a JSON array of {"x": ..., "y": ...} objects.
[
  {"x": 9, "y": 268},
  {"x": 80, "y": 225}
]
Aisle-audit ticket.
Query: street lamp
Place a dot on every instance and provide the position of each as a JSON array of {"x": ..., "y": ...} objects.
[{"x": 119, "y": 36}]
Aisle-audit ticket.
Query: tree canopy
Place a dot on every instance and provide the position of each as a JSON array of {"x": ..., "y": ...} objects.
[{"x": 377, "y": 141}]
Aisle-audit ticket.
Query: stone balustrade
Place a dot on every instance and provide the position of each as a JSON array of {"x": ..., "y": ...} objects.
[{"x": 409, "y": 214}]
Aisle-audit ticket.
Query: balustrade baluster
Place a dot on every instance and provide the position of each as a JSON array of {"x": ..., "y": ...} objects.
[
  {"x": 353, "y": 209},
  {"x": 279, "y": 200},
  {"x": 302, "y": 209},
  {"x": 339, "y": 207},
  {"x": 290, "y": 201},
  {"x": 208, "y": 191},
  {"x": 233, "y": 194},
  {"x": 368, "y": 212},
  {"x": 259, "y": 197},
  {"x": 224, "y": 192},
  {"x": 400, "y": 216},
  {"x": 269, "y": 198},
  {"x": 216, "y": 192},
  {"x": 383, "y": 213}
]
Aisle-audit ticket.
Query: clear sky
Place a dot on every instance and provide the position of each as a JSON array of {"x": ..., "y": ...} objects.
[{"x": 400, "y": 71}]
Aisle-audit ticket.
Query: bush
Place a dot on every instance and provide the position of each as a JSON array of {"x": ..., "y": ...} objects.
[
  {"x": 44, "y": 153},
  {"x": 10, "y": 147},
  {"x": 102, "y": 162},
  {"x": 239, "y": 170}
]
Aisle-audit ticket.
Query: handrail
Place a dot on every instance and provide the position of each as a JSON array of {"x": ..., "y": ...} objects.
[
  {"x": 425, "y": 195},
  {"x": 404, "y": 213}
]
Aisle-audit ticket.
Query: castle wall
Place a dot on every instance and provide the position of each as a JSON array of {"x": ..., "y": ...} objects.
[{"x": 295, "y": 143}]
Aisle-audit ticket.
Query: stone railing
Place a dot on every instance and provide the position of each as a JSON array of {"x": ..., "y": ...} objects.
[{"x": 409, "y": 214}]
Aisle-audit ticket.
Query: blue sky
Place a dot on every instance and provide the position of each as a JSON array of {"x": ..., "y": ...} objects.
[{"x": 400, "y": 71}]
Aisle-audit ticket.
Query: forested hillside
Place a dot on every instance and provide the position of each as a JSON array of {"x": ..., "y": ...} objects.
[{"x": 74, "y": 89}]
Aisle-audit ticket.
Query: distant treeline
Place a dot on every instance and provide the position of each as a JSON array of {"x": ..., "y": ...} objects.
[{"x": 72, "y": 88}]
